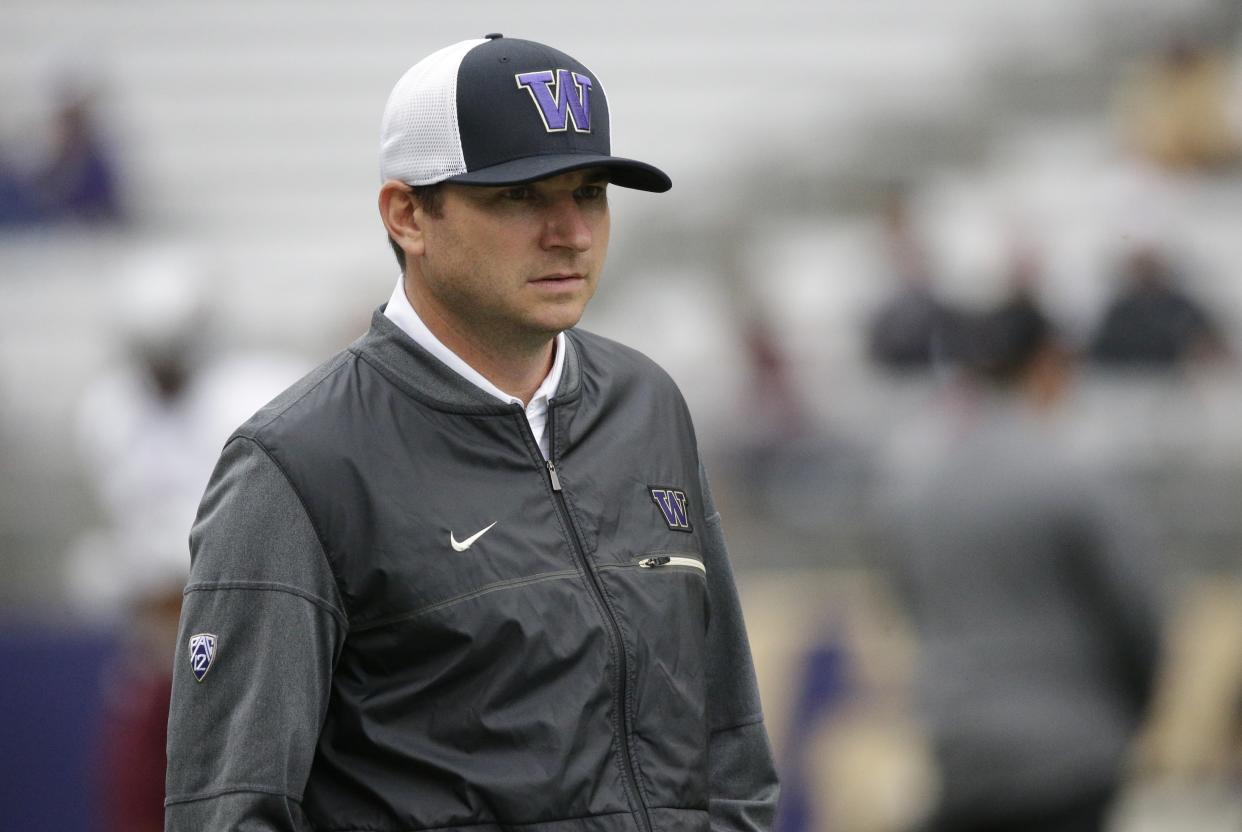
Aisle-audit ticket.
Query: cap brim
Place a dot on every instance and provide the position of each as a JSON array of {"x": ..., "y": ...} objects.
[{"x": 626, "y": 173}]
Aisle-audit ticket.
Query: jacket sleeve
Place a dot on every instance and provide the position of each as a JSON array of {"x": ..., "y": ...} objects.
[
  {"x": 743, "y": 783},
  {"x": 242, "y": 735},
  {"x": 1127, "y": 581}
]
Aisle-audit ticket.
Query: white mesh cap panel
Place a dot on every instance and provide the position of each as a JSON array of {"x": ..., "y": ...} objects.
[{"x": 419, "y": 140}]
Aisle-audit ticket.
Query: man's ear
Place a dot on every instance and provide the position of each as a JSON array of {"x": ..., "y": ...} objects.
[{"x": 403, "y": 217}]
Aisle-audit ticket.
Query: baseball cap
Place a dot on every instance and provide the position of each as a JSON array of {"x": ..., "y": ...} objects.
[{"x": 501, "y": 111}]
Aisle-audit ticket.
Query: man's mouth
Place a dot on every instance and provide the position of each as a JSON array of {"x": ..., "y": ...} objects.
[{"x": 559, "y": 279}]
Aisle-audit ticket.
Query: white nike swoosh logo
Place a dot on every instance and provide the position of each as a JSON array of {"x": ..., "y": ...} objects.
[{"x": 463, "y": 545}]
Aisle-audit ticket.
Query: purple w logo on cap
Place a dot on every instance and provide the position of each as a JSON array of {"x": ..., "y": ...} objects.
[{"x": 561, "y": 97}]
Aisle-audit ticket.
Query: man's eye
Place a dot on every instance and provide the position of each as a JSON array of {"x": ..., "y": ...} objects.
[
  {"x": 591, "y": 192},
  {"x": 516, "y": 194}
]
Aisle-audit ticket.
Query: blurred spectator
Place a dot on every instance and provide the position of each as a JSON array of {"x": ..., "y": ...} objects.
[
  {"x": 913, "y": 329},
  {"x": 1035, "y": 600},
  {"x": 790, "y": 469},
  {"x": 150, "y": 430},
  {"x": 1151, "y": 322},
  {"x": 141, "y": 436},
  {"x": 137, "y": 691},
  {"x": 77, "y": 181},
  {"x": 1176, "y": 110},
  {"x": 779, "y": 413}
]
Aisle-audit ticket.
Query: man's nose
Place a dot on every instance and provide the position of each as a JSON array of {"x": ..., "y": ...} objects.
[{"x": 566, "y": 225}]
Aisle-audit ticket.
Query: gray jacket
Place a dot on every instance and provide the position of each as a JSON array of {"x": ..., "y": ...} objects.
[
  {"x": 1038, "y": 603},
  {"x": 345, "y": 662}
]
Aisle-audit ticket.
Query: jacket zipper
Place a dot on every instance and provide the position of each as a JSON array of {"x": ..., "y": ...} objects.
[
  {"x": 671, "y": 560},
  {"x": 610, "y": 617}
]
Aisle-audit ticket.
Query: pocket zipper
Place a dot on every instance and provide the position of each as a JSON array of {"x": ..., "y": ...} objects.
[{"x": 670, "y": 560}]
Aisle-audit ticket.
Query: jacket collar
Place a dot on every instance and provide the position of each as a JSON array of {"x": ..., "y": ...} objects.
[{"x": 426, "y": 378}]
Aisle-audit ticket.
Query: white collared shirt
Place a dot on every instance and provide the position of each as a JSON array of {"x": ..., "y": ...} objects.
[{"x": 401, "y": 313}]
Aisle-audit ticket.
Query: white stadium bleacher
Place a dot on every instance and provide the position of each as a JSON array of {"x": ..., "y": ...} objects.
[{"x": 247, "y": 132}]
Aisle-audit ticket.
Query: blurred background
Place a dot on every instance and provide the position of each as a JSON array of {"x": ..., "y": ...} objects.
[{"x": 953, "y": 289}]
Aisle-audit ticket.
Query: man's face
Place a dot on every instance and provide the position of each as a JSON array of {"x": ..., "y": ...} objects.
[{"x": 515, "y": 264}]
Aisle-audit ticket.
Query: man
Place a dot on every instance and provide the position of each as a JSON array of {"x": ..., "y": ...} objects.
[
  {"x": 1037, "y": 603},
  {"x": 1152, "y": 322},
  {"x": 468, "y": 573}
]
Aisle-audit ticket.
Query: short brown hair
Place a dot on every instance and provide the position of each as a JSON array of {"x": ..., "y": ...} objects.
[{"x": 431, "y": 199}]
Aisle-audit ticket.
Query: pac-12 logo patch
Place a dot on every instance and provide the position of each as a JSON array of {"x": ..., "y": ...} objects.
[
  {"x": 202, "y": 654},
  {"x": 672, "y": 505}
]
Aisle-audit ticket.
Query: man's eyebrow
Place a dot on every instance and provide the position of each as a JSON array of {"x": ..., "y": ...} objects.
[{"x": 597, "y": 176}]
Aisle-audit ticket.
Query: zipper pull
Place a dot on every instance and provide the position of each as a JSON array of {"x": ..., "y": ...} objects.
[
  {"x": 556, "y": 481},
  {"x": 648, "y": 563}
]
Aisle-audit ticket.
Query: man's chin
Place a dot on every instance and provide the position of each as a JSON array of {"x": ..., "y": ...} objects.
[
  {"x": 552, "y": 328},
  {"x": 557, "y": 316}
]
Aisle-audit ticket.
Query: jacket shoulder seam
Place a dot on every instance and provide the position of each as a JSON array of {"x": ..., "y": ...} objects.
[
  {"x": 240, "y": 788},
  {"x": 269, "y": 586},
  {"x": 323, "y": 545}
]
